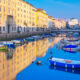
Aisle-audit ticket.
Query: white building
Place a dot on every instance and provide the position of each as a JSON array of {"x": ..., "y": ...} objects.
[
  {"x": 50, "y": 22},
  {"x": 73, "y": 23}
]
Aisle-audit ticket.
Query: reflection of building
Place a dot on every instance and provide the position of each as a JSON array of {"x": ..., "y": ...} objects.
[
  {"x": 42, "y": 18},
  {"x": 56, "y": 40},
  {"x": 42, "y": 47},
  {"x": 22, "y": 57}
]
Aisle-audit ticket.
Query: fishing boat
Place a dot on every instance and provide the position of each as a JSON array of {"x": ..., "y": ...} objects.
[
  {"x": 48, "y": 35},
  {"x": 37, "y": 37},
  {"x": 70, "y": 42},
  {"x": 9, "y": 44},
  {"x": 73, "y": 64},
  {"x": 18, "y": 42},
  {"x": 29, "y": 39},
  {"x": 71, "y": 48}
]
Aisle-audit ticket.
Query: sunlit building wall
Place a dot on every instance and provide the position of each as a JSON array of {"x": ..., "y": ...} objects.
[
  {"x": 41, "y": 18},
  {"x": 16, "y": 16},
  {"x": 59, "y": 23}
]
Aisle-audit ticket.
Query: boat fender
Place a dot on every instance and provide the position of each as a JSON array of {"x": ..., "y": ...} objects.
[
  {"x": 68, "y": 61},
  {"x": 65, "y": 65},
  {"x": 54, "y": 63},
  {"x": 72, "y": 66}
]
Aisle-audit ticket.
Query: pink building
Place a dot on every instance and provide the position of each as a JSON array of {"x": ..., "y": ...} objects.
[{"x": 59, "y": 23}]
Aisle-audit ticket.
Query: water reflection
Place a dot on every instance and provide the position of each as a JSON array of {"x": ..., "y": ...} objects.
[
  {"x": 65, "y": 69},
  {"x": 44, "y": 71},
  {"x": 14, "y": 61}
]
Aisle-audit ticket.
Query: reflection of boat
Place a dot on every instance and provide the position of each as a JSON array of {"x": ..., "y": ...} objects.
[
  {"x": 73, "y": 64},
  {"x": 76, "y": 35},
  {"x": 47, "y": 35},
  {"x": 3, "y": 48},
  {"x": 65, "y": 69},
  {"x": 54, "y": 35},
  {"x": 71, "y": 48}
]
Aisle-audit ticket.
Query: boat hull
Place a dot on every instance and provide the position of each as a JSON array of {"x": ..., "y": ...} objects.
[{"x": 65, "y": 65}]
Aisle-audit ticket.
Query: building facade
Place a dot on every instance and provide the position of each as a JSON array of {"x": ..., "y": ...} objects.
[
  {"x": 73, "y": 23},
  {"x": 16, "y": 16},
  {"x": 20, "y": 16},
  {"x": 59, "y": 23},
  {"x": 41, "y": 18}
]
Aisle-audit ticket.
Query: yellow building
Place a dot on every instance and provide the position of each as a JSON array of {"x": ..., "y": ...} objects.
[
  {"x": 41, "y": 18},
  {"x": 20, "y": 16},
  {"x": 16, "y": 16}
]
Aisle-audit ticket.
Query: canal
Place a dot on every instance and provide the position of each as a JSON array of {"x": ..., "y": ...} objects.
[{"x": 21, "y": 63}]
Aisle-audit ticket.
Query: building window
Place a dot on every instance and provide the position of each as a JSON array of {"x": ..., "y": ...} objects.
[
  {"x": 0, "y": 18},
  {"x": 0, "y": 9},
  {"x": 3, "y": 28},
  {"x": 9, "y": 2},
  {"x": 0, "y": 1},
  {"x": 8, "y": 10},
  {"x": 0, "y": 28},
  {"x": 4, "y": 9}
]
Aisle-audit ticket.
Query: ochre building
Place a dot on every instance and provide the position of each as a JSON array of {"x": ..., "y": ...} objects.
[
  {"x": 41, "y": 18},
  {"x": 21, "y": 16},
  {"x": 16, "y": 16}
]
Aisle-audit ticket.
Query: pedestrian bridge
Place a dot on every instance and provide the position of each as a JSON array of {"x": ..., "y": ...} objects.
[{"x": 65, "y": 30}]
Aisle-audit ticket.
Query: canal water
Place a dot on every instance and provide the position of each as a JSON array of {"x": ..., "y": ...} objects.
[{"x": 17, "y": 64}]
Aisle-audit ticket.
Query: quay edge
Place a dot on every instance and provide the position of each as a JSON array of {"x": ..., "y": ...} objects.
[{"x": 7, "y": 37}]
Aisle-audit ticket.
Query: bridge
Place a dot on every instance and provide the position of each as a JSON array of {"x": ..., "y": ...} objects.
[{"x": 66, "y": 30}]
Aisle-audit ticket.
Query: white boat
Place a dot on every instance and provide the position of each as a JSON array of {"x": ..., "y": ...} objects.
[
  {"x": 71, "y": 48},
  {"x": 65, "y": 63}
]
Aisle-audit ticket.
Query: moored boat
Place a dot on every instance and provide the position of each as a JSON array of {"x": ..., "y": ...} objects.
[
  {"x": 18, "y": 42},
  {"x": 9, "y": 44},
  {"x": 2, "y": 47},
  {"x": 71, "y": 48},
  {"x": 73, "y": 64},
  {"x": 29, "y": 39},
  {"x": 37, "y": 37}
]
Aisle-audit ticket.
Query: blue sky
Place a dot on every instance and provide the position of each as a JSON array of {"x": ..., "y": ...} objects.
[{"x": 59, "y": 8}]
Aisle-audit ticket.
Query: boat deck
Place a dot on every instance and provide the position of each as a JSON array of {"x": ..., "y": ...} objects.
[{"x": 65, "y": 61}]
